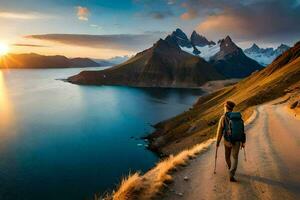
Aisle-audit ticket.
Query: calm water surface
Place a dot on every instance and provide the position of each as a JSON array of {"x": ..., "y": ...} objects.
[{"x": 64, "y": 141}]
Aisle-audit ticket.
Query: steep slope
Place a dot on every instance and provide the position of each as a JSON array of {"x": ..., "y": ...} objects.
[
  {"x": 199, "y": 123},
  {"x": 265, "y": 56},
  {"x": 181, "y": 39},
  {"x": 232, "y": 62},
  {"x": 39, "y": 61},
  {"x": 163, "y": 65}
]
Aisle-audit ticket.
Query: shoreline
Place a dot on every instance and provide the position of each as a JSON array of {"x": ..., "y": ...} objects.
[{"x": 208, "y": 87}]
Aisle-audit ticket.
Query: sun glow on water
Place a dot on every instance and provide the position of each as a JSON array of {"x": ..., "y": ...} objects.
[
  {"x": 3, "y": 49},
  {"x": 5, "y": 105}
]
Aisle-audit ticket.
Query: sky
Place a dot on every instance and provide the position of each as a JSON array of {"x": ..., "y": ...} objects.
[{"x": 108, "y": 28}]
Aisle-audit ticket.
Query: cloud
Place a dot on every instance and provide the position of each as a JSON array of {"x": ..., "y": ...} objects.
[
  {"x": 95, "y": 26},
  {"x": 190, "y": 14},
  {"x": 156, "y": 9},
  {"x": 22, "y": 16},
  {"x": 28, "y": 45},
  {"x": 83, "y": 13},
  {"x": 198, "y": 8},
  {"x": 160, "y": 14},
  {"x": 269, "y": 21},
  {"x": 131, "y": 42}
]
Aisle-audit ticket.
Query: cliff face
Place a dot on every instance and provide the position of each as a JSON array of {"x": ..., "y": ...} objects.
[
  {"x": 39, "y": 61},
  {"x": 163, "y": 65},
  {"x": 200, "y": 122}
]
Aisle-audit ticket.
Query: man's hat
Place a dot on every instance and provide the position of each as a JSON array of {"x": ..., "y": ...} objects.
[{"x": 229, "y": 105}]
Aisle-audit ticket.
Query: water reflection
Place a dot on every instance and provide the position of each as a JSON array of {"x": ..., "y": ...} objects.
[
  {"x": 7, "y": 128},
  {"x": 163, "y": 95},
  {"x": 6, "y": 114}
]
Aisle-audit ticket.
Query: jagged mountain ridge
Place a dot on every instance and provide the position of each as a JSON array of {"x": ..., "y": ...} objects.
[
  {"x": 225, "y": 56},
  {"x": 265, "y": 55},
  {"x": 199, "y": 40}
]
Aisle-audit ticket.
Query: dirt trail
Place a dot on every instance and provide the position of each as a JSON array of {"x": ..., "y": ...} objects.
[{"x": 272, "y": 170}]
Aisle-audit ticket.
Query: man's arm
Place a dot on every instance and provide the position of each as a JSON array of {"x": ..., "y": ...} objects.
[{"x": 220, "y": 130}]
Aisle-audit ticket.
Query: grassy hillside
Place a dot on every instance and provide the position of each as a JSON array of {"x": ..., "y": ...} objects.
[{"x": 200, "y": 122}]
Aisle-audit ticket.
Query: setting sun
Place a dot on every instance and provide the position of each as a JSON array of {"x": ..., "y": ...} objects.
[{"x": 3, "y": 49}]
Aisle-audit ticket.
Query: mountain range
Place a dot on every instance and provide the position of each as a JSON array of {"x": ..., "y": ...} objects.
[
  {"x": 33, "y": 60},
  {"x": 176, "y": 61},
  {"x": 265, "y": 56},
  {"x": 162, "y": 65}
]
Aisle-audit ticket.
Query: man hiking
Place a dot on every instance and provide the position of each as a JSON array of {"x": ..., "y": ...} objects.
[{"x": 231, "y": 127}]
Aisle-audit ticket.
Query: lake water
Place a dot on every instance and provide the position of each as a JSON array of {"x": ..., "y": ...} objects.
[{"x": 64, "y": 141}]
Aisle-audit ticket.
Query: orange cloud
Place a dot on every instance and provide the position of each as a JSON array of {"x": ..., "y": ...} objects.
[
  {"x": 83, "y": 13},
  {"x": 188, "y": 15},
  {"x": 222, "y": 24}
]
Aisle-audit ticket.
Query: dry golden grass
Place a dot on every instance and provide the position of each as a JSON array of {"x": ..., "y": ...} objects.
[
  {"x": 129, "y": 187},
  {"x": 149, "y": 185}
]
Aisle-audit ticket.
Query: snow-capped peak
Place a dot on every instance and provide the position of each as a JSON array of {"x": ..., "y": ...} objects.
[{"x": 265, "y": 55}]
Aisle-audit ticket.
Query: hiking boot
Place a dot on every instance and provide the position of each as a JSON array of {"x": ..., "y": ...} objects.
[{"x": 232, "y": 179}]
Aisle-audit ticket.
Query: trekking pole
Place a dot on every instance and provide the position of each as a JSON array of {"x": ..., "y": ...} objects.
[
  {"x": 245, "y": 155},
  {"x": 216, "y": 154}
]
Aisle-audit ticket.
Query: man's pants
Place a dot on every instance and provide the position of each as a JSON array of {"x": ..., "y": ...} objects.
[{"x": 234, "y": 151}]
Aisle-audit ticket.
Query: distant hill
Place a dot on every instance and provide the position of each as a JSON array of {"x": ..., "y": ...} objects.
[
  {"x": 265, "y": 56},
  {"x": 118, "y": 59},
  {"x": 200, "y": 122},
  {"x": 163, "y": 65},
  {"x": 112, "y": 61},
  {"x": 33, "y": 60},
  {"x": 103, "y": 62},
  {"x": 176, "y": 61}
]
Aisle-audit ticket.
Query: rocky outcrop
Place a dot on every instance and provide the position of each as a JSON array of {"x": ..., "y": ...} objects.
[{"x": 199, "y": 40}]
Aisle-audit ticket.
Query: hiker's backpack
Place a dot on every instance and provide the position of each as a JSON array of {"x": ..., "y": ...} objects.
[{"x": 234, "y": 127}]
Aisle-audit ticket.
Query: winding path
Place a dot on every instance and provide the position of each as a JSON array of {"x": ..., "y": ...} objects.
[{"x": 272, "y": 169}]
